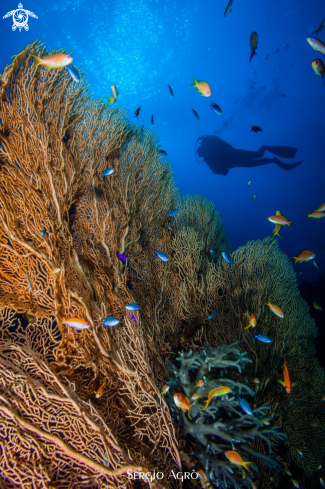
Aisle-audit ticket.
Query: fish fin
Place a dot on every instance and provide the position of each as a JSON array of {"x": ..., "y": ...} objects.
[
  {"x": 189, "y": 409},
  {"x": 281, "y": 382},
  {"x": 295, "y": 383},
  {"x": 295, "y": 258},
  {"x": 110, "y": 100},
  {"x": 37, "y": 60},
  {"x": 207, "y": 403},
  {"x": 245, "y": 314},
  {"x": 194, "y": 82},
  {"x": 253, "y": 54},
  {"x": 290, "y": 222},
  {"x": 246, "y": 465},
  {"x": 246, "y": 327}
]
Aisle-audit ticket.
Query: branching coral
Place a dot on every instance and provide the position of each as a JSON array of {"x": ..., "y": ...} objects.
[{"x": 223, "y": 425}]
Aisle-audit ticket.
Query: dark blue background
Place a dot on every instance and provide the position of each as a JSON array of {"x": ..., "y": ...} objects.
[{"x": 143, "y": 45}]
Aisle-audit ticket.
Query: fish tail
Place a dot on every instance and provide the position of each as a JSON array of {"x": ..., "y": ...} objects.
[
  {"x": 194, "y": 82},
  {"x": 295, "y": 258},
  {"x": 36, "y": 60},
  {"x": 110, "y": 100},
  {"x": 207, "y": 403},
  {"x": 189, "y": 409},
  {"x": 289, "y": 223},
  {"x": 246, "y": 327},
  {"x": 246, "y": 465},
  {"x": 253, "y": 54}
]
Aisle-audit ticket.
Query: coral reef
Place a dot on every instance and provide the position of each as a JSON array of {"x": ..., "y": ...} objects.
[{"x": 223, "y": 425}]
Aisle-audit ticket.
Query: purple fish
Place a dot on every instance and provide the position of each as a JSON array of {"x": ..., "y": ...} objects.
[
  {"x": 121, "y": 257},
  {"x": 134, "y": 319}
]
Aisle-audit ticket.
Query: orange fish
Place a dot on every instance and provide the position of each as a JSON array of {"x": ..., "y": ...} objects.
[
  {"x": 287, "y": 381},
  {"x": 316, "y": 215},
  {"x": 304, "y": 256},
  {"x": 252, "y": 321},
  {"x": 200, "y": 383},
  {"x": 256, "y": 380},
  {"x": 183, "y": 403},
  {"x": 218, "y": 391},
  {"x": 321, "y": 208},
  {"x": 76, "y": 323},
  {"x": 59, "y": 60},
  {"x": 196, "y": 396},
  {"x": 283, "y": 221},
  {"x": 275, "y": 309},
  {"x": 100, "y": 391},
  {"x": 55, "y": 270},
  {"x": 236, "y": 459},
  {"x": 202, "y": 87}
]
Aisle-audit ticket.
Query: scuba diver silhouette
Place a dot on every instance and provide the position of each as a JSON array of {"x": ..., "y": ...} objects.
[{"x": 222, "y": 157}]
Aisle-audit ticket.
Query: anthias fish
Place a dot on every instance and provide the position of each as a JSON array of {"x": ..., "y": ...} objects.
[
  {"x": 217, "y": 392},
  {"x": 275, "y": 309},
  {"x": 321, "y": 208},
  {"x": 305, "y": 256},
  {"x": 202, "y": 87},
  {"x": 110, "y": 321},
  {"x": 253, "y": 44},
  {"x": 262, "y": 338},
  {"x": 319, "y": 68},
  {"x": 183, "y": 403},
  {"x": 76, "y": 323},
  {"x": 107, "y": 172},
  {"x": 29, "y": 280},
  {"x": 283, "y": 221},
  {"x": 252, "y": 321},
  {"x": 215, "y": 107},
  {"x": 43, "y": 232},
  {"x": 227, "y": 258},
  {"x": 171, "y": 90},
  {"x": 316, "y": 215},
  {"x": 287, "y": 380},
  {"x": 254, "y": 197},
  {"x": 164, "y": 390},
  {"x": 322, "y": 481},
  {"x": 59, "y": 60},
  {"x": 152, "y": 120},
  {"x": 113, "y": 98},
  {"x": 295, "y": 483},
  {"x": 248, "y": 183},
  {"x": 316, "y": 265},
  {"x": 121, "y": 257},
  {"x": 316, "y": 44},
  {"x": 196, "y": 114},
  {"x": 255, "y": 129},
  {"x": 236, "y": 459},
  {"x": 137, "y": 112},
  {"x": 133, "y": 306},
  {"x": 162, "y": 255},
  {"x": 134, "y": 319},
  {"x": 196, "y": 396},
  {"x": 54, "y": 271},
  {"x": 100, "y": 391},
  {"x": 228, "y": 9},
  {"x": 200, "y": 383},
  {"x": 73, "y": 73}
]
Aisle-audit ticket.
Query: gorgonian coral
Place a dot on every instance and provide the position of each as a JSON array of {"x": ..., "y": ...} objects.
[{"x": 223, "y": 425}]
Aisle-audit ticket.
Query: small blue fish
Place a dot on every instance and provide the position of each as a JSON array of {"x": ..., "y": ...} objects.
[
  {"x": 121, "y": 257},
  {"x": 110, "y": 321},
  {"x": 134, "y": 318},
  {"x": 73, "y": 73},
  {"x": 43, "y": 233},
  {"x": 262, "y": 338},
  {"x": 162, "y": 255},
  {"x": 212, "y": 252},
  {"x": 107, "y": 172},
  {"x": 245, "y": 407},
  {"x": 227, "y": 258},
  {"x": 213, "y": 314},
  {"x": 169, "y": 227},
  {"x": 133, "y": 306},
  {"x": 172, "y": 213},
  {"x": 322, "y": 481},
  {"x": 316, "y": 265}
]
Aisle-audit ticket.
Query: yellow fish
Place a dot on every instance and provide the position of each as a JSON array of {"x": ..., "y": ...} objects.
[
  {"x": 252, "y": 321},
  {"x": 100, "y": 391},
  {"x": 76, "y": 323},
  {"x": 200, "y": 383},
  {"x": 164, "y": 390},
  {"x": 202, "y": 87},
  {"x": 196, "y": 396},
  {"x": 55, "y": 270},
  {"x": 304, "y": 256},
  {"x": 275, "y": 309},
  {"x": 316, "y": 215},
  {"x": 114, "y": 95},
  {"x": 218, "y": 391},
  {"x": 183, "y": 403},
  {"x": 317, "y": 306},
  {"x": 59, "y": 60},
  {"x": 236, "y": 459}
]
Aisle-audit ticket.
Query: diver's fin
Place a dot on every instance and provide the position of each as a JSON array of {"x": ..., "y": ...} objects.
[
  {"x": 285, "y": 166},
  {"x": 282, "y": 151}
]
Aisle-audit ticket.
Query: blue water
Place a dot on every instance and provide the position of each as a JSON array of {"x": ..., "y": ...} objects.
[{"x": 141, "y": 46}]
